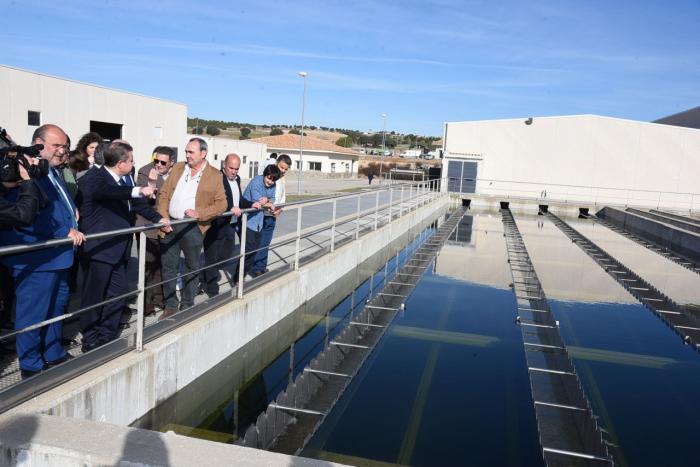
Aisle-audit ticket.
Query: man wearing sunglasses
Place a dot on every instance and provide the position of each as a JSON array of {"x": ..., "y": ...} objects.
[{"x": 154, "y": 174}]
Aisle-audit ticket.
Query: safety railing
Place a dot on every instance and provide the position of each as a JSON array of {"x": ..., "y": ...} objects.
[
  {"x": 572, "y": 194},
  {"x": 350, "y": 215}
]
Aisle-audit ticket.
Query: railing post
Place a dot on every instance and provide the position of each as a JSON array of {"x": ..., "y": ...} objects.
[
  {"x": 335, "y": 209},
  {"x": 376, "y": 210},
  {"x": 401, "y": 205},
  {"x": 298, "y": 242},
  {"x": 391, "y": 201},
  {"x": 357, "y": 230},
  {"x": 140, "y": 300},
  {"x": 241, "y": 260}
]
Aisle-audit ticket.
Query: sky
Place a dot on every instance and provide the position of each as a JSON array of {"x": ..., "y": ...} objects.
[{"x": 421, "y": 63}]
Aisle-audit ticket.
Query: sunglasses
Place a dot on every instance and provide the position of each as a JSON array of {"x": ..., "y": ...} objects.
[{"x": 160, "y": 162}]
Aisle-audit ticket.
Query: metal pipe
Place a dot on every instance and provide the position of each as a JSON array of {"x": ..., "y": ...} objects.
[
  {"x": 241, "y": 260},
  {"x": 141, "y": 298}
]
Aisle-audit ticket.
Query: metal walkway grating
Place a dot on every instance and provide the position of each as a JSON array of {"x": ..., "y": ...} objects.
[
  {"x": 294, "y": 416},
  {"x": 568, "y": 429},
  {"x": 684, "y": 322}
]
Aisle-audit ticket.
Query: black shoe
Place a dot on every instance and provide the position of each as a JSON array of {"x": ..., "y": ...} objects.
[
  {"x": 200, "y": 289},
  {"x": 29, "y": 373},
  {"x": 59, "y": 361},
  {"x": 85, "y": 348}
]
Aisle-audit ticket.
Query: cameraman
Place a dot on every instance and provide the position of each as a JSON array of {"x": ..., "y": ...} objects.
[{"x": 22, "y": 212}]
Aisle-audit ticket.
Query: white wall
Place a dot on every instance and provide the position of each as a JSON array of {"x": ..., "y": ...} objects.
[
  {"x": 220, "y": 147},
  {"x": 71, "y": 105},
  {"x": 585, "y": 157},
  {"x": 325, "y": 158}
]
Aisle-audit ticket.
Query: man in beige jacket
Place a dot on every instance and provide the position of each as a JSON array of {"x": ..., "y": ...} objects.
[{"x": 193, "y": 190}]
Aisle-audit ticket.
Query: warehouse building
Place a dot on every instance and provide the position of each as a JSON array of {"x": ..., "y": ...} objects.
[
  {"x": 31, "y": 99},
  {"x": 571, "y": 159}
]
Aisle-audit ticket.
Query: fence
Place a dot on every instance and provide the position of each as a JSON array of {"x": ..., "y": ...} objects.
[{"x": 350, "y": 215}]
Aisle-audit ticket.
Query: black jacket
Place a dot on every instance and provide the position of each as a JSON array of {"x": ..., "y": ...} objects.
[
  {"x": 104, "y": 207},
  {"x": 21, "y": 213},
  {"x": 219, "y": 223}
]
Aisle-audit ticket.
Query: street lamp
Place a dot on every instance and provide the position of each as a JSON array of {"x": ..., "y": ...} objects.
[
  {"x": 381, "y": 158},
  {"x": 302, "y": 74}
]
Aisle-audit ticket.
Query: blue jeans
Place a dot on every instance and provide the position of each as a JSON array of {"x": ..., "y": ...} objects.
[{"x": 260, "y": 262}]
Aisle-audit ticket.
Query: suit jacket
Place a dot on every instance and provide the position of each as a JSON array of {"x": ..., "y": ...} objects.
[
  {"x": 211, "y": 196},
  {"x": 221, "y": 223},
  {"x": 105, "y": 206},
  {"x": 53, "y": 220}
]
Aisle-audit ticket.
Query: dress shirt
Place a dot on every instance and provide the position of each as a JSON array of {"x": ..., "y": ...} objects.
[
  {"x": 135, "y": 192},
  {"x": 236, "y": 194},
  {"x": 255, "y": 190},
  {"x": 185, "y": 193}
]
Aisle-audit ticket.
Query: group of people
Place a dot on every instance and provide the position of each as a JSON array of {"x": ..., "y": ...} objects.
[{"x": 92, "y": 190}]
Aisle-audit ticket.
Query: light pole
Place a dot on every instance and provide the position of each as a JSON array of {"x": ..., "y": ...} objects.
[
  {"x": 381, "y": 159},
  {"x": 302, "y": 74}
]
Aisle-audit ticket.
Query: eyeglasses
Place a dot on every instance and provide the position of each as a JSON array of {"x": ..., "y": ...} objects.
[{"x": 158, "y": 161}]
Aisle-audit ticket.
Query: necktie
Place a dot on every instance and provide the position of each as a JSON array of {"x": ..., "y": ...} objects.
[
  {"x": 124, "y": 181},
  {"x": 54, "y": 177}
]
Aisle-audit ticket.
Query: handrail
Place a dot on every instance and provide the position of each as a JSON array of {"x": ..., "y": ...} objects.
[
  {"x": 309, "y": 231},
  {"x": 24, "y": 247}
]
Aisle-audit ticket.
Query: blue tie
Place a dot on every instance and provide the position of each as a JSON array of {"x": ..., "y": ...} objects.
[{"x": 126, "y": 181}]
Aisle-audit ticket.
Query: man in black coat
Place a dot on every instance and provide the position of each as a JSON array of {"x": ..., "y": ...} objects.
[
  {"x": 220, "y": 239},
  {"x": 109, "y": 201}
]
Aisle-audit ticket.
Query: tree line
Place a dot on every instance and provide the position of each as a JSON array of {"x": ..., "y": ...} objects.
[{"x": 392, "y": 139}]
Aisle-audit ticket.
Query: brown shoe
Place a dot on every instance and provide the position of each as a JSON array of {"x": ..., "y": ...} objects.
[
  {"x": 167, "y": 313},
  {"x": 149, "y": 309}
]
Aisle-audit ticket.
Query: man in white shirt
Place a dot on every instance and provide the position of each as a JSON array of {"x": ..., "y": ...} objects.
[
  {"x": 193, "y": 190},
  {"x": 260, "y": 263}
]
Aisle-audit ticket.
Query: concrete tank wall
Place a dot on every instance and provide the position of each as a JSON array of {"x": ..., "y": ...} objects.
[{"x": 126, "y": 388}]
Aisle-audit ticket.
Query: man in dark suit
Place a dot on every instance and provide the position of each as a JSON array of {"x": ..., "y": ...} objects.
[
  {"x": 220, "y": 239},
  {"x": 41, "y": 276},
  {"x": 109, "y": 202}
]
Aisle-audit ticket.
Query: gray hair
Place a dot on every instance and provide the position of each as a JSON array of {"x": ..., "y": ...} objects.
[{"x": 202, "y": 144}]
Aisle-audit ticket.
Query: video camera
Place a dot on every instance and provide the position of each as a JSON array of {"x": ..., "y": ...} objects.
[{"x": 12, "y": 156}]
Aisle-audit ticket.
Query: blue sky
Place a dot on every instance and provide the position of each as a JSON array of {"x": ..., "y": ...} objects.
[{"x": 420, "y": 62}]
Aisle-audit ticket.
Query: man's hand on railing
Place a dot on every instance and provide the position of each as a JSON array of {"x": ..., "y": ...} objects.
[
  {"x": 237, "y": 211},
  {"x": 167, "y": 228},
  {"x": 192, "y": 213},
  {"x": 77, "y": 237}
]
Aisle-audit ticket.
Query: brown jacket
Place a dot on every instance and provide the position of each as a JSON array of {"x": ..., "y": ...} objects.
[{"x": 210, "y": 200}]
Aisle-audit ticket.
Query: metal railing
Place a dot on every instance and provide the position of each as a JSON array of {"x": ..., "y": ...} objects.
[
  {"x": 402, "y": 198},
  {"x": 568, "y": 193}
]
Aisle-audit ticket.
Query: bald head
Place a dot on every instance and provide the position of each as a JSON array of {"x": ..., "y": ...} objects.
[
  {"x": 232, "y": 164},
  {"x": 55, "y": 143}
]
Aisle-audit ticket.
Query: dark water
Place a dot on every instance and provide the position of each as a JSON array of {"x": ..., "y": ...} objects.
[
  {"x": 448, "y": 383},
  {"x": 641, "y": 380}
]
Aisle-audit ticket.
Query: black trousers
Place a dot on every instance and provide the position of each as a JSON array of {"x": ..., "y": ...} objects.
[
  {"x": 102, "y": 282},
  {"x": 219, "y": 245}
]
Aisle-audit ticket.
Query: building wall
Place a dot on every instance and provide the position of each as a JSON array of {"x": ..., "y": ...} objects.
[
  {"x": 147, "y": 122},
  {"x": 249, "y": 151},
  {"x": 585, "y": 157},
  {"x": 344, "y": 164}
]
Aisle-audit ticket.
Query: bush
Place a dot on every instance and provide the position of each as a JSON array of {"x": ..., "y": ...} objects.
[
  {"x": 276, "y": 131},
  {"x": 212, "y": 130}
]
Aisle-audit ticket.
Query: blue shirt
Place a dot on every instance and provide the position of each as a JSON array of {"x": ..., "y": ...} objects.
[{"x": 255, "y": 190}]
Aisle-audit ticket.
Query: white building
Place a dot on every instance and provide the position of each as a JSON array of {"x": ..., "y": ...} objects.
[
  {"x": 252, "y": 153},
  {"x": 575, "y": 158},
  {"x": 32, "y": 99},
  {"x": 319, "y": 155}
]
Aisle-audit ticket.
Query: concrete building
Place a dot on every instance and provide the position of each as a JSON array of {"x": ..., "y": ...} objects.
[
  {"x": 31, "y": 99},
  {"x": 590, "y": 158},
  {"x": 319, "y": 155},
  {"x": 252, "y": 153}
]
